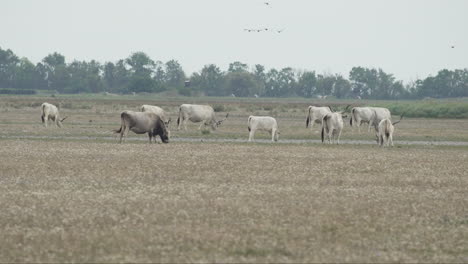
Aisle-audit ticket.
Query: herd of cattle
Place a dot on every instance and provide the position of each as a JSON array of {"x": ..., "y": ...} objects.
[{"x": 155, "y": 121}]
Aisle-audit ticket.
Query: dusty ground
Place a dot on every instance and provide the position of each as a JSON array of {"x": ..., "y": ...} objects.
[{"x": 82, "y": 201}]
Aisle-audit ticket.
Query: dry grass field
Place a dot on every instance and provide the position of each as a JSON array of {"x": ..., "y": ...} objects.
[
  {"x": 75, "y": 195},
  {"x": 78, "y": 201}
]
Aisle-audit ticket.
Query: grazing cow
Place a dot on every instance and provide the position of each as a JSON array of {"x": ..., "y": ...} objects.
[
  {"x": 316, "y": 114},
  {"x": 385, "y": 132},
  {"x": 196, "y": 114},
  {"x": 361, "y": 115},
  {"x": 264, "y": 123},
  {"x": 50, "y": 111},
  {"x": 332, "y": 125},
  {"x": 159, "y": 111},
  {"x": 141, "y": 123}
]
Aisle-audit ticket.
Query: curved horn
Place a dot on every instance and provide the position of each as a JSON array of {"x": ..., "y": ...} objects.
[
  {"x": 346, "y": 108},
  {"x": 63, "y": 119},
  {"x": 330, "y": 108},
  {"x": 401, "y": 117}
]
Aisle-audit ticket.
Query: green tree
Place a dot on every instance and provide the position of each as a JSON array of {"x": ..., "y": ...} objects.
[
  {"x": 241, "y": 83},
  {"x": 306, "y": 84},
  {"x": 175, "y": 75},
  {"x": 8, "y": 64},
  {"x": 210, "y": 80},
  {"x": 57, "y": 75}
]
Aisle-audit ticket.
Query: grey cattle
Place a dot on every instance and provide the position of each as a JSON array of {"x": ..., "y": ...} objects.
[
  {"x": 264, "y": 123},
  {"x": 50, "y": 112},
  {"x": 141, "y": 123},
  {"x": 315, "y": 114},
  {"x": 361, "y": 115},
  {"x": 157, "y": 110},
  {"x": 196, "y": 114},
  {"x": 332, "y": 125},
  {"x": 385, "y": 132}
]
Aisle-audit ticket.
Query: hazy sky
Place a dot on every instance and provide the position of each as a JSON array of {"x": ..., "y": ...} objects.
[{"x": 408, "y": 38}]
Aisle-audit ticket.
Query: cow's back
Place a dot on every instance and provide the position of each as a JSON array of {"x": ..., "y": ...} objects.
[
  {"x": 197, "y": 113},
  {"x": 49, "y": 109},
  {"x": 262, "y": 123}
]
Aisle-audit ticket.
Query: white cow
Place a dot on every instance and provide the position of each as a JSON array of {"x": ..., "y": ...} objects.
[
  {"x": 385, "y": 132},
  {"x": 361, "y": 115},
  {"x": 316, "y": 114},
  {"x": 196, "y": 114},
  {"x": 263, "y": 123},
  {"x": 157, "y": 110},
  {"x": 332, "y": 125},
  {"x": 50, "y": 111}
]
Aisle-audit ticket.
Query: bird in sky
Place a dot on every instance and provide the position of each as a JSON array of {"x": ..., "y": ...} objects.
[
  {"x": 267, "y": 3},
  {"x": 280, "y": 30}
]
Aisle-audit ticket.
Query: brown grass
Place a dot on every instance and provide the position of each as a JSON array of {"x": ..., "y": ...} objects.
[{"x": 81, "y": 201}]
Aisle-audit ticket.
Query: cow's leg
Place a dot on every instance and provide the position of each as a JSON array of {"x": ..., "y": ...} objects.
[
  {"x": 330, "y": 135},
  {"x": 390, "y": 137},
  {"x": 202, "y": 124},
  {"x": 338, "y": 138},
  {"x": 312, "y": 121},
  {"x": 273, "y": 132},
  {"x": 150, "y": 135},
  {"x": 251, "y": 135},
  {"x": 46, "y": 119},
  {"x": 123, "y": 133}
]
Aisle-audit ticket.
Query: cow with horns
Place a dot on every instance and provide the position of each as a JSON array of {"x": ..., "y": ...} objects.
[
  {"x": 385, "y": 131},
  {"x": 141, "y": 123},
  {"x": 332, "y": 126},
  {"x": 198, "y": 113},
  {"x": 50, "y": 112},
  {"x": 315, "y": 114}
]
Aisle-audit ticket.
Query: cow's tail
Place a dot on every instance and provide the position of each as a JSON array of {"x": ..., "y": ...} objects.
[
  {"x": 179, "y": 117},
  {"x": 308, "y": 118},
  {"x": 122, "y": 125},
  {"x": 388, "y": 124},
  {"x": 248, "y": 123},
  {"x": 43, "y": 113},
  {"x": 352, "y": 117}
]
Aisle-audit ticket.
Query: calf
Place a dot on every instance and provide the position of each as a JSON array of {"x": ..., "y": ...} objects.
[{"x": 264, "y": 123}]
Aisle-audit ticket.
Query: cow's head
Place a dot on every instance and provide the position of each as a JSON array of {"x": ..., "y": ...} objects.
[
  {"x": 216, "y": 124},
  {"x": 162, "y": 131},
  {"x": 59, "y": 123},
  {"x": 277, "y": 133}
]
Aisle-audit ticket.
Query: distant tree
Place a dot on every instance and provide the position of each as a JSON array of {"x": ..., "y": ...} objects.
[
  {"x": 306, "y": 84},
  {"x": 210, "y": 80},
  {"x": 175, "y": 75},
  {"x": 325, "y": 84},
  {"x": 57, "y": 75},
  {"x": 241, "y": 83},
  {"x": 260, "y": 77},
  {"x": 237, "y": 67},
  {"x": 341, "y": 87},
  {"x": 8, "y": 63}
]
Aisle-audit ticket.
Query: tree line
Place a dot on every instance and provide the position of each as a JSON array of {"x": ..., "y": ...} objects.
[{"x": 139, "y": 73}]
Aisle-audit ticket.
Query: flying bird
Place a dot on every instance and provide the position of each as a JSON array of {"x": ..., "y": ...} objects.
[{"x": 280, "y": 30}]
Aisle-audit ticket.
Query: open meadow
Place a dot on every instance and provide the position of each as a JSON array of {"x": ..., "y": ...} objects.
[{"x": 76, "y": 195}]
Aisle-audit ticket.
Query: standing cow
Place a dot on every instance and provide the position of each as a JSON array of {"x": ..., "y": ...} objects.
[
  {"x": 367, "y": 115},
  {"x": 264, "y": 123},
  {"x": 315, "y": 114},
  {"x": 50, "y": 111},
  {"x": 141, "y": 123},
  {"x": 332, "y": 125},
  {"x": 385, "y": 132},
  {"x": 196, "y": 114}
]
